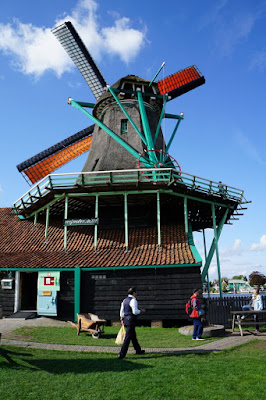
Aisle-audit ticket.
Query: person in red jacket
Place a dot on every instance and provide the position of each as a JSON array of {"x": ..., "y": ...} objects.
[{"x": 197, "y": 311}]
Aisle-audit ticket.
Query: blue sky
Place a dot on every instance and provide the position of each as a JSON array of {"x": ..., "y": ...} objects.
[{"x": 223, "y": 134}]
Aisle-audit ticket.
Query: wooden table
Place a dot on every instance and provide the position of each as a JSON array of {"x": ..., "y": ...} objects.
[{"x": 248, "y": 319}]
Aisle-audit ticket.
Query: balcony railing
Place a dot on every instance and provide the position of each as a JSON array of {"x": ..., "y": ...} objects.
[{"x": 166, "y": 176}]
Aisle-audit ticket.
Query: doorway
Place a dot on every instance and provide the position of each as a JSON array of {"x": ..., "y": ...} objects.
[{"x": 29, "y": 290}]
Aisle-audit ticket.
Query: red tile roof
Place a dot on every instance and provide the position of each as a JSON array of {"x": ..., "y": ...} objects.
[{"x": 23, "y": 245}]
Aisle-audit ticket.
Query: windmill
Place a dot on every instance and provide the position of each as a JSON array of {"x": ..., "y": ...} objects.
[
  {"x": 127, "y": 118},
  {"x": 142, "y": 208}
]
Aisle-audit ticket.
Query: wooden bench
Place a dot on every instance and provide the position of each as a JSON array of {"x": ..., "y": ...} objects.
[{"x": 248, "y": 319}]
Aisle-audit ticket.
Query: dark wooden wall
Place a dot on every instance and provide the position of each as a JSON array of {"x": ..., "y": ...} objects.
[
  {"x": 7, "y": 297},
  {"x": 65, "y": 297},
  {"x": 163, "y": 292}
]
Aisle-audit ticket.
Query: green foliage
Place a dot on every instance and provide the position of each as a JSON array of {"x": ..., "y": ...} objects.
[
  {"x": 233, "y": 374},
  {"x": 257, "y": 278},
  {"x": 243, "y": 277}
]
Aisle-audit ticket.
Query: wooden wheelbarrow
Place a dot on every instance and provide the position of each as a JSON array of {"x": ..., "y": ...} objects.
[{"x": 89, "y": 323}]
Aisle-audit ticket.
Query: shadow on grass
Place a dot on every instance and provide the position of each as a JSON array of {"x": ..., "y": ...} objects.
[
  {"x": 64, "y": 366},
  {"x": 7, "y": 354},
  {"x": 103, "y": 336}
]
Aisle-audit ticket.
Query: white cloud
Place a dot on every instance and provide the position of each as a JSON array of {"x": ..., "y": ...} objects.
[
  {"x": 230, "y": 29},
  {"x": 236, "y": 245},
  {"x": 235, "y": 249},
  {"x": 249, "y": 148},
  {"x": 1, "y": 190},
  {"x": 259, "y": 61},
  {"x": 259, "y": 246},
  {"x": 34, "y": 50},
  {"x": 123, "y": 40}
]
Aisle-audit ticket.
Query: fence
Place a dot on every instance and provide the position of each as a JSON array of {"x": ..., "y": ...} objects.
[{"x": 218, "y": 310}]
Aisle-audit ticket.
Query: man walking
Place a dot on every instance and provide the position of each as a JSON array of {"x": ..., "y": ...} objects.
[{"x": 128, "y": 315}]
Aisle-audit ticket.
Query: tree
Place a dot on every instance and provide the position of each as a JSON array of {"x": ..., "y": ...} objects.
[
  {"x": 224, "y": 279},
  {"x": 242, "y": 277},
  {"x": 257, "y": 278}
]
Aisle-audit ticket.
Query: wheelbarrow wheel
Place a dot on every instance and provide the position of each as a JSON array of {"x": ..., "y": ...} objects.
[{"x": 95, "y": 335}]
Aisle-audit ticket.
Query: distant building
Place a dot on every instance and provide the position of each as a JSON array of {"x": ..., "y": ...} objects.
[{"x": 239, "y": 285}]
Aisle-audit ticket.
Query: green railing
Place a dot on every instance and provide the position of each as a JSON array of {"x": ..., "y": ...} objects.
[{"x": 157, "y": 176}]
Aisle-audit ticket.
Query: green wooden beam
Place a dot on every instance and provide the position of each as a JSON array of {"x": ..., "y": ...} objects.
[
  {"x": 171, "y": 192},
  {"x": 216, "y": 249},
  {"x": 57, "y": 198},
  {"x": 77, "y": 275},
  {"x": 196, "y": 254},
  {"x": 141, "y": 267},
  {"x": 86, "y": 105},
  {"x": 195, "y": 198},
  {"x": 160, "y": 121},
  {"x": 157, "y": 73},
  {"x": 185, "y": 215},
  {"x": 118, "y": 139},
  {"x": 159, "y": 219},
  {"x": 205, "y": 254},
  {"x": 65, "y": 216},
  {"x": 47, "y": 222},
  {"x": 37, "y": 269},
  {"x": 174, "y": 116},
  {"x": 173, "y": 135},
  {"x": 96, "y": 225},
  {"x": 127, "y": 115},
  {"x": 126, "y": 220},
  {"x": 146, "y": 126},
  {"x": 212, "y": 248}
]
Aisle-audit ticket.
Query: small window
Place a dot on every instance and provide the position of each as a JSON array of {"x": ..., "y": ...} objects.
[
  {"x": 123, "y": 125},
  {"x": 95, "y": 164}
]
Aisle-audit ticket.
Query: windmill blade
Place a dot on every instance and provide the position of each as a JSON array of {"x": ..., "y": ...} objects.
[
  {"x": 181, "y": 82},
  {"x": 47, "y": 161},
  {"x": 72, "y": 43}
]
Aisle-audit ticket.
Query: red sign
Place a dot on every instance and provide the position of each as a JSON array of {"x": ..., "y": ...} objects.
[{"x": 48, "y": 281}]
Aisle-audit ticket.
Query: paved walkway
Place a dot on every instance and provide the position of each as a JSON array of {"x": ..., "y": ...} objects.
[{"x": 8, "y": 325}]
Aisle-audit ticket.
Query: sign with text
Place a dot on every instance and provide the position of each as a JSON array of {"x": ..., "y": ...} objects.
[
  {"x": 49, "y": 281},
  {"x": 81, "y": 221}
]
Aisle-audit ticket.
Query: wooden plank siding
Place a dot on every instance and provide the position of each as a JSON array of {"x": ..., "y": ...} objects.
[
  {"x": 7, "y": 297},
  {"x": 163, "y": 292}
]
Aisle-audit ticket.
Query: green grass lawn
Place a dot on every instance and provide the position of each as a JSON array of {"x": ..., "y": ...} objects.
[
  {"x": 233, "y": 374},
  {"x": 148, "y": 337}
]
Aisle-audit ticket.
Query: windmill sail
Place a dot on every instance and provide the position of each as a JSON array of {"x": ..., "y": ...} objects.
[
  {"x": 72, "y": 43},
  {"x": 181, "y": 82},
  {"x": 47, "y": 161}
]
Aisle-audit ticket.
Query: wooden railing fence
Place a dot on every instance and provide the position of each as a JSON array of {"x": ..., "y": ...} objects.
[{"x": 218, "y": 310}]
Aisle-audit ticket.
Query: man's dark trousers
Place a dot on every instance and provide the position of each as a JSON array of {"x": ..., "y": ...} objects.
[
  {"x": 130, "y": 335},
  {"x": 198, "y": 328}
]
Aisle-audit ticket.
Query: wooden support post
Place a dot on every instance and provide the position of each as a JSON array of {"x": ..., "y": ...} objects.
[
  {"x": 77, "y": 275},
  {"x": 65, "y": 227},
  {"x": 47, "y": 222},
  {"x": 159, "y": 219},
  {"x": 96, "y": 226},
  {"x": 186, "y": 215},
  {"x": 126, "y": 220},
  {"x": 212, "y": 248},
  {"x": 205, "y": 254},
  {"x": 216, "y": 249}
]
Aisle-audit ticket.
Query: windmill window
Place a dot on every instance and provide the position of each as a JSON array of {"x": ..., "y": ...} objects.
[
  {"x": 123, "y": 125},
  {"x": 94, "y": 165}
]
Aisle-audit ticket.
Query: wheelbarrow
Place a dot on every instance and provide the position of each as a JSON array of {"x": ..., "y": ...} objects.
[{"x": 89, "y": 323}]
